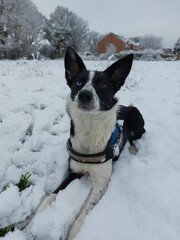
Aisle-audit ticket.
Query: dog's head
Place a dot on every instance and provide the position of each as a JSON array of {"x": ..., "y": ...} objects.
[{"x": 94, "y": 91}]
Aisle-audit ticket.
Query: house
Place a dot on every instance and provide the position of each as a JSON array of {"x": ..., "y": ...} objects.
[
  {"x": 167, "y": 51},
  {"x": 134, "y": 46},
  {"x": 115, "y": 44}
]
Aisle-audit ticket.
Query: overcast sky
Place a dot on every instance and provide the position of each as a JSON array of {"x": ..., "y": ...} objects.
[{"x": 129, "y": 18}]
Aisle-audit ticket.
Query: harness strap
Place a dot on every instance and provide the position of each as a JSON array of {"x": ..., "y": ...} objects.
[
  {"x": 96, "y": 158},
  {"x": 112, "y": 150}
]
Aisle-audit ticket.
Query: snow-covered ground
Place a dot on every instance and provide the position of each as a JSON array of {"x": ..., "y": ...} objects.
[{"x": 143, "y": 198}]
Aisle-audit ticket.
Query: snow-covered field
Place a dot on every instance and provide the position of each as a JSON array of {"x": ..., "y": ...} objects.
[{"x": 143, "y": 198}]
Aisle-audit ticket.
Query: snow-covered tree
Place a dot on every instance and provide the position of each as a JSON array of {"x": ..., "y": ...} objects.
[
  {"x": 177, "y": 46},
  {"x": 79, "y": 29},
  {"x": 151, "y": 42},
  {"x": 66, "y": 28},
  {"x": 5, "y": 39},
  {"x": 57, "y": 30},
  {"x": 93, "y": 38},
  {"x": 110, "y": 49},
  {"x": 20, "y": 27}
]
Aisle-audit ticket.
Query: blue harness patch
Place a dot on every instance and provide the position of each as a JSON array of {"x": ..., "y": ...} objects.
[
  {"x": 116, "y": 141},
  {"x": 114, "y": 135}
]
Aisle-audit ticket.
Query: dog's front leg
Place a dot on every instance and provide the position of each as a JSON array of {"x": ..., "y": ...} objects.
[
  {"x": 51, "y": 198},
  {"x": 46, "y": 202},
  {"x": 100, "y": 175}
]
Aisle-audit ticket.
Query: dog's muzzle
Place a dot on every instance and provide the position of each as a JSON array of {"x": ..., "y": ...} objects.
[
  {"x": 85, "y": 100},
  {"x": 85, "y": 96}
]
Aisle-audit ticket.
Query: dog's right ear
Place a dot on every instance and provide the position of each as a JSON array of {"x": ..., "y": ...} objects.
[
  {"x": 73, "y": 65},
  {"x": 119, "y": 70}
]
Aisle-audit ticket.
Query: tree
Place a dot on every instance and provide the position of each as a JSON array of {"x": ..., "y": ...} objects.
[
  {"x": 66, "y": 28},
  {"x": 57, "y": 30},
  {"x": 151, "y": 42},
  {"x": 5, "y": 39},
  {"x": 79, "y": 30},
  {"x": 177, "y": 46},
  {"x": 92, "y": 40},
  {"x": 110, "y": 49},
  {"x": 20, "y": 27}
]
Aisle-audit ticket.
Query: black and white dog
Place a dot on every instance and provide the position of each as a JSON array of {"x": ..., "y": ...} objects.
[{"x": 97, "y": 136}]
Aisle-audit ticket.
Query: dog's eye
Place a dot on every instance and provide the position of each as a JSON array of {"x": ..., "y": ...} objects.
[
  {"x": 102, "y": 85},
  {"x": 78, "y": 83}
]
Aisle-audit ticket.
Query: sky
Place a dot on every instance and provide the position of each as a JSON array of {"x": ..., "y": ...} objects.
[{"x": 128, "y": 18}]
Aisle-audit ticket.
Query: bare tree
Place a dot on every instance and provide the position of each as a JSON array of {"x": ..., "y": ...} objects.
[
  {"x": 110, "y": 49},
  {"x": 92, "y": 40},
  {"x": 151, "y": 42}
]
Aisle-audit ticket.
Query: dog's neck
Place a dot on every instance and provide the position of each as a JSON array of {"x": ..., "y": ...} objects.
[{"x": 91, "y": 130}]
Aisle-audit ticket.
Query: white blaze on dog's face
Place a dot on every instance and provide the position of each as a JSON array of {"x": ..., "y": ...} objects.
[
  {"x": 94, "y": 91},
  {"x": 86, "y": 98}
]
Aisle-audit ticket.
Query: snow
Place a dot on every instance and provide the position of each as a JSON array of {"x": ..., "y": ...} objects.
[{"x": 143, "y": 197}]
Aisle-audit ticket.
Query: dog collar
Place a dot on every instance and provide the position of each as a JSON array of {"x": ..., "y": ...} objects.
[{"x": 112, "y": 150}]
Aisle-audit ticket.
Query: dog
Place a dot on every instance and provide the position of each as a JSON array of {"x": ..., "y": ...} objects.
[{"x": 100, "y": 128}]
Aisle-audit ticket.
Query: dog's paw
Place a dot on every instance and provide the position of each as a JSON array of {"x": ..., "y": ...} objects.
[{"x": 133, "y": 149}]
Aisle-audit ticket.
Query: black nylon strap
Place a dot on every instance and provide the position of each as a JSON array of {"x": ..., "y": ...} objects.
[
  {"x": 104, "y": 156},
  {"x": 107, "y": 154}
]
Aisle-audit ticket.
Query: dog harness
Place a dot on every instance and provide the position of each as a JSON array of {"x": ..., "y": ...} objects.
[{"x": 113, "y": 149}]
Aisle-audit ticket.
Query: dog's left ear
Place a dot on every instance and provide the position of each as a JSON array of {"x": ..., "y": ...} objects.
[
  {"x": 73, "y": 65},
  {"x": 119, "y": 70}
]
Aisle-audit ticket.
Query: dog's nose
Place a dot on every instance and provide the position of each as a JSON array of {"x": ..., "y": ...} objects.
[{"x": 85, "y": 96}]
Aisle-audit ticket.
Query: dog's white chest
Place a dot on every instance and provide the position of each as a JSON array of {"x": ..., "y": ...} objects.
[
  {"x": 91, "y": 134},
  {"x": 92, "y": 130}
]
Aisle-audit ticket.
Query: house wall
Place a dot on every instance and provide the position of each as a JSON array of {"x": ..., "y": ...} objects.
[
  {"x": 134, "y": 47},
  {"x": 120, "y": 45}
]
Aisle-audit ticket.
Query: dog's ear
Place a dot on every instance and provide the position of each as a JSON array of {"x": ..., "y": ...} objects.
[
  {"x": 119, "y": 70},
  {"x": 73, "y": 65}
]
